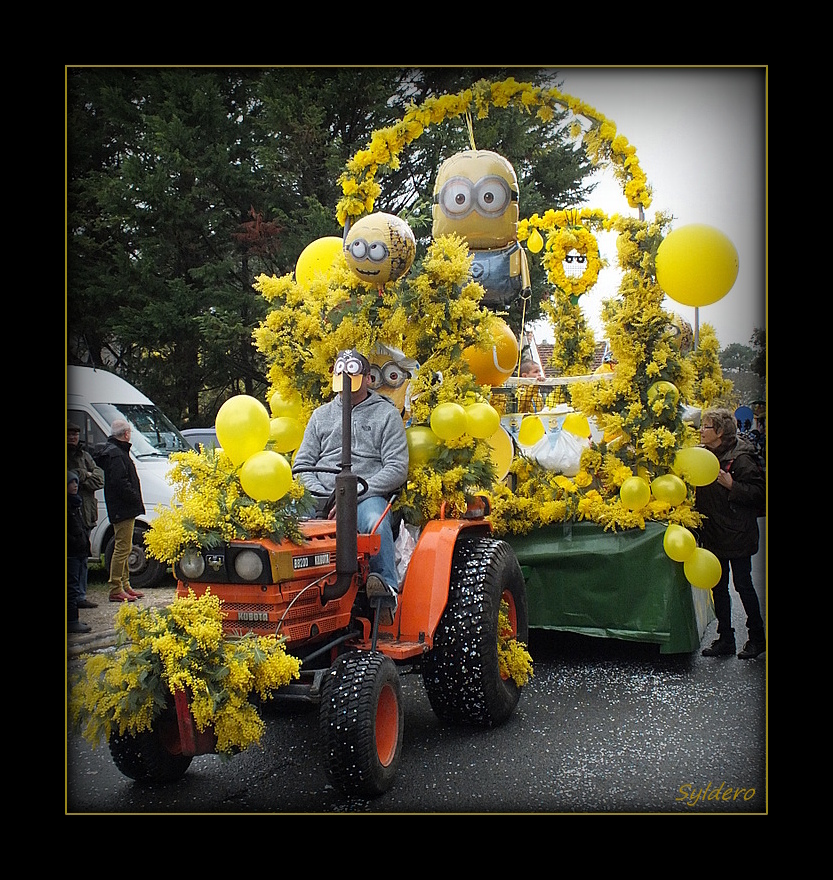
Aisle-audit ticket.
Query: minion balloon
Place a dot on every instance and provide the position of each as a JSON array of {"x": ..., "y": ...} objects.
[
  {"x": 476, "y": 197},
  {"x": 391, "y": 373},
  {"x": 379, "y": 248}
]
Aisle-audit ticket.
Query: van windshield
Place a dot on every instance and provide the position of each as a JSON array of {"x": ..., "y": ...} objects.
[{"x": 153, "y": 433}]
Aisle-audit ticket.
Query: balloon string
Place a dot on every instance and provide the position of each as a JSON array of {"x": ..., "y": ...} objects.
[{"x": 471, "y": 130}]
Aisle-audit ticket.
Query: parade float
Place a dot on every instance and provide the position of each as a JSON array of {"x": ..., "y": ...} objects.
[{"x": 591, "y": 495}]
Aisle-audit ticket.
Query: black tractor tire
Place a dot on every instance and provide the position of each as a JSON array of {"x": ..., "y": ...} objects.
[
  {"x": 145, "y": 571},
  {"x": 461, "y": 672},
  {"x": 361, "y": 723},
  {"x": 152, "y": 757}
]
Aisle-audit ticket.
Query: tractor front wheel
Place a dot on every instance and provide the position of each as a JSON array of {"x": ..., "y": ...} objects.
[
  {"x": 462, "y": 671},
  {"x": 154, "y": 756},
  {"x": 361, "y": 723}
]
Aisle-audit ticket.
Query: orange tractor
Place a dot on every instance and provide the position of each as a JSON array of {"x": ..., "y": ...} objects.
[{"x": 313, "y": 594}]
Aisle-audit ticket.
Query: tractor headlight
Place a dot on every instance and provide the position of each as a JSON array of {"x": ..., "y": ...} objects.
[
  {"x": 248, "y": 565},
  {"x": 192, "y": 564}
]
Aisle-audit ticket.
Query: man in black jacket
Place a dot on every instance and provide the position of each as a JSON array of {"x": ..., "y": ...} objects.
[
  {"x": 730, "y": 507},
  {"x": 123, "y": 497}
]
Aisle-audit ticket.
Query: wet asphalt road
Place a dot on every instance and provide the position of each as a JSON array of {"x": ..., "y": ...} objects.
[{"x": 604, "y": 727}]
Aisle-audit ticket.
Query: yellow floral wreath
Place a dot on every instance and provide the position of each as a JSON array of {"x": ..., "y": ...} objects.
[
  {"x": 601, "y": 141},
  {"x": 559, "y": 244}
]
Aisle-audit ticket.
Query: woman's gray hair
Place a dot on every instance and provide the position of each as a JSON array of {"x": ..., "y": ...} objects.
[{"x": 723, "y": 421}]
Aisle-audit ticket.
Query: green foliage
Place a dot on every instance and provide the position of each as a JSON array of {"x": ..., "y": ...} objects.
[{"x": 186, "y": 184}]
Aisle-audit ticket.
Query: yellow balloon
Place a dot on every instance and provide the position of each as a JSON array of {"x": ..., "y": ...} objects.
[
  {"x": 531, "y": 431},
  {"x": 663, "y": 389},
  {"x": 266, "y": 476},
  {"x": 317, "y": 259},
  {"x": 286, "y": 433},
  {"x": 494, "y": 365},
  {"x": 448, "y": 421},
  {"x": 535, "y": 242},
  {"x": 482, "y": 420},
  {"x": 669, "y": 488},
  {"x": 702, "y": 569},
  {"x": 242, "y": 426},
  {"x": 502, "y": 452},
  {"x": 678, "y": 542},
  {"x": 635, "y": 493},
  {"x": 696, "y": 465},
  {"x": 422, "y": 445},
  {"x": 285, "y": 405},
  {"x": 696, "y": 265},
  {"x": 576, "y": 423}
]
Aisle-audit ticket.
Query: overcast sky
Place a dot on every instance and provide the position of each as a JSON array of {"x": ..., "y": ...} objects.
[{"x": 700, "y": 136}]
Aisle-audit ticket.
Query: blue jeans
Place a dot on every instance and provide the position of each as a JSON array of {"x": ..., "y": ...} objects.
[
  {"x": 76, "y": 575},
  {"x": 384, "y": 562}
]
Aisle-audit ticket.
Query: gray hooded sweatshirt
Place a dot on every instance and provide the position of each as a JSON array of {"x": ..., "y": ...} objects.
[{"x": 379, "y": 447}]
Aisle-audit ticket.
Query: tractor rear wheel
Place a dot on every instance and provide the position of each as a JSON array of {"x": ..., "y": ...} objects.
[
  {"x": 461, "y": 673},
  {"x": 153, "y": 756},
  {"x": 361, "y": 721}
]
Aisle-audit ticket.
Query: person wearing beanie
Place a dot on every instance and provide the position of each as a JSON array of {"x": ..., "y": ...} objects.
[
  {"x": 90, "y": 479},
  {"x": 123, "y": 497},
  {"x": 78, "y": 552}
]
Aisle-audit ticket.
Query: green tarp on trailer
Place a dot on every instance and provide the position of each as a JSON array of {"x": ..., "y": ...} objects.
[{"x": 616, "y": 585}]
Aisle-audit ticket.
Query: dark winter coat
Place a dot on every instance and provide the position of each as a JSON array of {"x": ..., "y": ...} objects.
[
  {"x": 90, "y": 479},
  {"x": 730, "y": 526},
  {"x": 78, "y": 537},
  {"x": 122, "y": 490}
]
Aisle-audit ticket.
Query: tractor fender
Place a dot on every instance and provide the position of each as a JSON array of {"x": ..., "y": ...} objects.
[{"x": 425, "y": 589}]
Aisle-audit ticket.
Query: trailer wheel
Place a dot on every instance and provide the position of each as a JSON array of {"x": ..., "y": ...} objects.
[
  {"x": 461, "y": 673},
  {"x": 361, "y": 723},
  {"x": 153, "y": 756}
]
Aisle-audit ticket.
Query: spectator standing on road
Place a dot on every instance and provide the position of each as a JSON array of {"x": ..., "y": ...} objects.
[
  {"x": 78, "y": 552},
  {"x": 379, "y": 455},
  {"x": 730, "y": 529},
  {"x": 90, "y": 479},
  {"x": 123, "y": 497}
]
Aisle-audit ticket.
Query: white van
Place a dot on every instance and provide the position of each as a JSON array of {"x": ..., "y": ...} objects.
[{"x": 95, "y": 397}]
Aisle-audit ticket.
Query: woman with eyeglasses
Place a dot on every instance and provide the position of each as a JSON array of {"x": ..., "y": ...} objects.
[{"x": 730, "y": 508}]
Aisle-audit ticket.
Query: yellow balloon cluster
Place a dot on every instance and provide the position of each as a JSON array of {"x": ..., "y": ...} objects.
[
  {"x": 243, "y": 429},
  {"x": 701, "y": 566}
]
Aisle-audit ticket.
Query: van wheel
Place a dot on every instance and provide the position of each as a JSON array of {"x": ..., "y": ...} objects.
[
  {"x": 361, "y": 721},
  {"x": 145, "y": 571},
  {"x": 461, "y": 673}
]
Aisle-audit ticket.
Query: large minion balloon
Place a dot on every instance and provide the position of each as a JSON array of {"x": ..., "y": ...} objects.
[
  {"x": 476, "y": 197},
  {"x": 379, "y": 248},
  {"x": 352, "y": 364}
]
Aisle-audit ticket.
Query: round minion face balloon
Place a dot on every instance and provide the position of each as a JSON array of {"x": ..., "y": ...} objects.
[
  {"x": 380, "y": 248},
  {"x": 352, "y": 364},
  {"x": 476, "y": 197}
]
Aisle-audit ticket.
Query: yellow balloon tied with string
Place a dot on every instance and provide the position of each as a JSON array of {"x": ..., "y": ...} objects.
[
  {"x": 448, "y": 421},
  {"x": 635, "y": 493},
  {"x": 482, "y": 420},
  {"x": 702, "y": 569},
  {"x": 696, "y": 265},
  {"x": 531, "y": 431},
  {"x": 696, "y": 465},
  {"x": 678, "y": 542},
  {"x": 316, "y": 259},
  {"x": 503, "y": 451},
  {"x": 266, "y": 476},
  {"x": 243, "y": 427}
]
